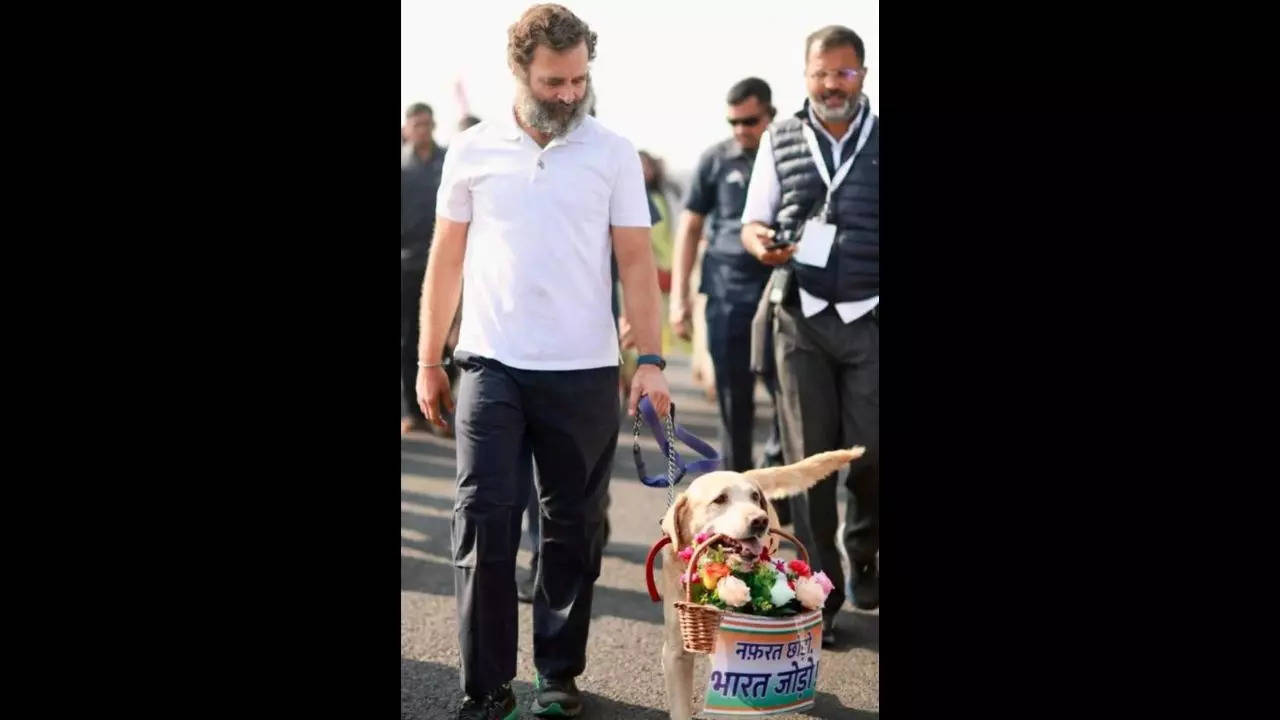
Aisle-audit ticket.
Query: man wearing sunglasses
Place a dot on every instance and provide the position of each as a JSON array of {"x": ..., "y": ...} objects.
[
  {"x": 731, "y": 279},
  {"x": 813, "y": 213}
]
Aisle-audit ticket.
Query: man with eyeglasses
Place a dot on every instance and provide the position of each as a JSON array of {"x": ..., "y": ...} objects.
[
  {"x": 731, "y": 279},
  {"x": 813, "y": 213}
]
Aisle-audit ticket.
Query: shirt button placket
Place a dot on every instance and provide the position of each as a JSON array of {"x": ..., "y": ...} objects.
[{"x": 539, "y": 165}]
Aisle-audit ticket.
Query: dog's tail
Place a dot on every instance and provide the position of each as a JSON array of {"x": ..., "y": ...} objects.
[{"x": 787, "y": 480}]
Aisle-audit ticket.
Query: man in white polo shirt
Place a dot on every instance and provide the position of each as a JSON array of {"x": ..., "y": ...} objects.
[{"x": 530, "y": 204}]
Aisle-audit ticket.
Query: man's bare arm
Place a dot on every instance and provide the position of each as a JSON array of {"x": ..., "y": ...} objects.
[
  {"x": 640, "y": 295},
  {"x": 441, "y": 289},
  {"x": 687, "y": 237}
]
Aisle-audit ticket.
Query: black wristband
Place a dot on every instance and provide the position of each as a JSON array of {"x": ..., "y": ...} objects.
[{"x": 652, "y": 360}]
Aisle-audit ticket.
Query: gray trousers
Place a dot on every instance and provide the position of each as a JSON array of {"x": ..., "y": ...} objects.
[
  {"x": 829, "y": 382},
  {"x": 570, "y": 420}
]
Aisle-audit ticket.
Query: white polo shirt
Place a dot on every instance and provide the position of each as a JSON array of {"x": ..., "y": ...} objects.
[{"x": 537, "y": 290}]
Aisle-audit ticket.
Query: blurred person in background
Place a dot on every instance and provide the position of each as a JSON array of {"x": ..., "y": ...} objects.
[
  {"x": 662, "y": 193},
  {"x": 731, "y": 278},
  {"x": 421, "y": 161}
]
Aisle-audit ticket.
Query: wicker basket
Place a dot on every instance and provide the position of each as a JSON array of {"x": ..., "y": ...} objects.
[{"x": 698, "y": 622}]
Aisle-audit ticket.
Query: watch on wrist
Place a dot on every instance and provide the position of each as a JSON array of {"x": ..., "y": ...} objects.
[{"x": 652, "y": 360}]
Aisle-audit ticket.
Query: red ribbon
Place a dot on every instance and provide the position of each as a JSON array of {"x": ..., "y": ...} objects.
[{"x": 648, "y": 567}]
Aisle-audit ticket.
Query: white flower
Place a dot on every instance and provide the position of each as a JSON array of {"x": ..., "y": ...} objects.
[
  {"x": 781, "y": 594},
  {"x": 810, "y": 593},
  {"x": 733, "y": 591}
]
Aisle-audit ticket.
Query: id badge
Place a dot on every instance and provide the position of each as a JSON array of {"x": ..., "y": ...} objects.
[{"x": 814, "y": 247}]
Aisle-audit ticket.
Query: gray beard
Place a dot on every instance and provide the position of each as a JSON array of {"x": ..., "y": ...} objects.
[
  {"x": 835, "y": 115},
  {"x": 552, "y": 117}
]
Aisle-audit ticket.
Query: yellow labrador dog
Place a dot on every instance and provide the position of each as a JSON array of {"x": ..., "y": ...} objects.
[{"x": 737, "y": 505}]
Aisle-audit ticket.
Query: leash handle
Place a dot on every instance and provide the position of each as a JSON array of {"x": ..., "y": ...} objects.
[{"x": 666, "y": 437}]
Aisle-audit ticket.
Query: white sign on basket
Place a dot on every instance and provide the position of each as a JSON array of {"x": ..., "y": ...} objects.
[{"x": 764, "y": 665}]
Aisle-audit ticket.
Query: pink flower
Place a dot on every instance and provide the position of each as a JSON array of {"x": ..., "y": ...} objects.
[
  {"x": 824, "y": 581},
  {"x": 686, "y": 553},
  {"x": 685, "y": 578},
  {"x": 810, "y": 593},
  {"x": 782, "y": 567},
  {"x": 701, "y": 537}
]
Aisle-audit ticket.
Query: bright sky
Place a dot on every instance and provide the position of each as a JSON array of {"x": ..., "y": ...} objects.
[{"x": 662, "y": 67}]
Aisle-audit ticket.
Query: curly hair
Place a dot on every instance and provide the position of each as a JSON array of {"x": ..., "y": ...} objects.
[{"x": 554, "y": 26}]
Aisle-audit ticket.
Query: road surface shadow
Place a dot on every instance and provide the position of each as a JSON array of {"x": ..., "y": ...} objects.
[
  {"x": 857, "y": 630},
  {"x": 631, "y": 552},
  {"x": 628, "y": 604},
  {"x": 829, "y": 707},
  {"x": 430, "y": 691},
  {"x": 427, "y": 499}
]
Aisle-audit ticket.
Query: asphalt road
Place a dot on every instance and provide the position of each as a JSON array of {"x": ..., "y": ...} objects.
[{"x": 623, "y": 677}]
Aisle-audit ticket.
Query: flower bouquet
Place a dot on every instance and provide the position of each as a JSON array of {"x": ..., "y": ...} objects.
[
  {"x": 731, "y": 576},
  {"x": 724, "y": 575},
  {"x": 760, "y": 620}
]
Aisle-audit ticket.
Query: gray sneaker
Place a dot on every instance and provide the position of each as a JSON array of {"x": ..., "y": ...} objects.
[{"x": 555, "y": 698}]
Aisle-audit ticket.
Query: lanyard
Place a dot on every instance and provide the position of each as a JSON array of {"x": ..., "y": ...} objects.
[{"x": 843, "y": 170}]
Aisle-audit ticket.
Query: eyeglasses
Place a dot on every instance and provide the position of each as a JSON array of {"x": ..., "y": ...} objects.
[
  {"x": 746, "y": 121},
  {"x": 847, "y": 74}
]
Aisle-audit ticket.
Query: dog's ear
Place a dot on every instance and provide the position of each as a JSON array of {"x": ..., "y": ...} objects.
[
  {"x": 771, "y": 540},
  {"x": 676, "y": 523},
  {"x": 787, "y": 480}
]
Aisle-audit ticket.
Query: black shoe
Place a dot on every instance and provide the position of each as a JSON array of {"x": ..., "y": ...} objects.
[
  {"x": 555, "y": 698},
  {"x": 497, "y": 705},
  {"x": 866, "y": 586},
  {"x": 525, "y": 587},
  {"x": 828, "y": 630}
]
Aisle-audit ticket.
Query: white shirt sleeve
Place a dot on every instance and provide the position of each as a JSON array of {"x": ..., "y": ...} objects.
[
  {"x": 453, "y": 200},
  {"x": 764, "y": 194},
  {"x": 629, "y": 203}
]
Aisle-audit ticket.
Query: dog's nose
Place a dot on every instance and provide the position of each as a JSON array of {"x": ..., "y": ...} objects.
[{"x": 759, "y": 525}]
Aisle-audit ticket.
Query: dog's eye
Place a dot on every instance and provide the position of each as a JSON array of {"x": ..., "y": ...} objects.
[
  {"x": 755, "y": 497},
  {"x": 722, "y": 499}
]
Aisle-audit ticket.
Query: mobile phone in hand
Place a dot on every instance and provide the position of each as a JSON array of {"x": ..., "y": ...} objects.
[{"x": 777, "y": 245}]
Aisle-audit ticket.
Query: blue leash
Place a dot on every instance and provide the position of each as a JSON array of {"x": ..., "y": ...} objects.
[{"x": 676, "y": 468}]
